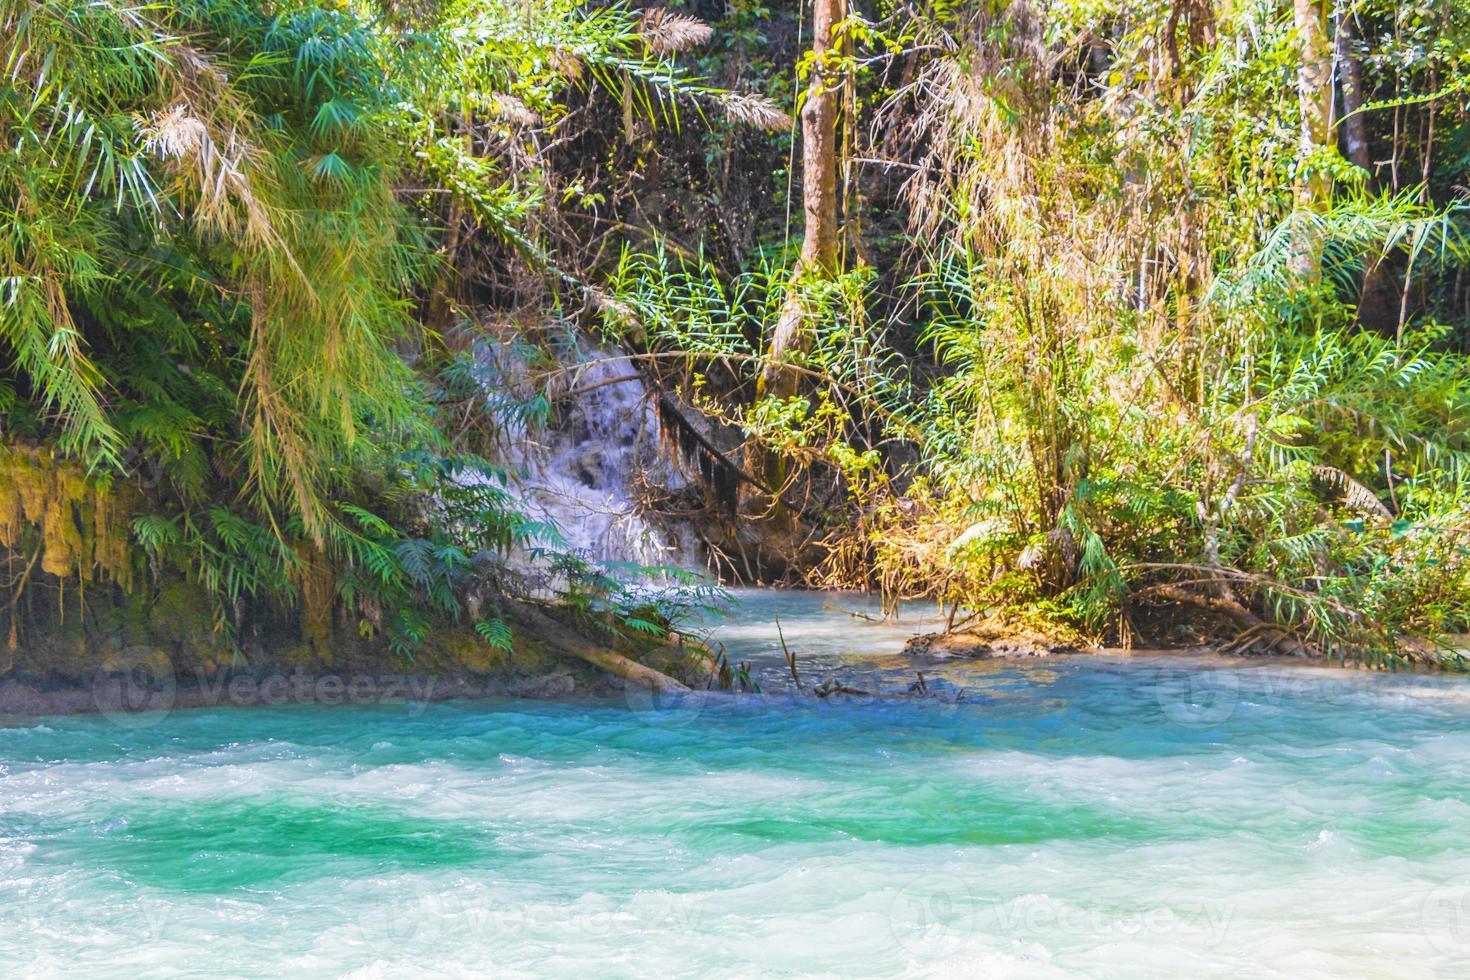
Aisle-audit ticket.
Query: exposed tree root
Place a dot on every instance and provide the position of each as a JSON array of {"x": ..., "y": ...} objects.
[{"x": 1253, "y": 628}]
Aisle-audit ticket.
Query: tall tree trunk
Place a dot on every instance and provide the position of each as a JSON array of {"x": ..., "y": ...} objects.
[
  {"x": 1375, "y": 293},
  {"x": 1314, "y": 90},
  {"x": 818, "y": 249},
  {"x": 1350, "y": 79}
]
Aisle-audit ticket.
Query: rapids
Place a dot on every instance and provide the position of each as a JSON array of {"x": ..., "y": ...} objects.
[{"x": 1069, "y": 817}]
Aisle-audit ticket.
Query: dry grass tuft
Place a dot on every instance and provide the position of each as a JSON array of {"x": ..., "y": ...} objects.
[{"x": 667, "y": 33}]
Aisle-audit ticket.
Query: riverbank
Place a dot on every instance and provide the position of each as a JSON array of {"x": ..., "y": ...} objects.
[
  {"x": 119, "y": 695},
  {"x": 548, "y": 655},
  {"x": 836, "y": 639},
  {"x": 123, "y": 694}
]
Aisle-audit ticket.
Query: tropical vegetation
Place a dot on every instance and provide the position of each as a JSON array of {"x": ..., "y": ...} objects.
[{"x": 1143, "y": 320}]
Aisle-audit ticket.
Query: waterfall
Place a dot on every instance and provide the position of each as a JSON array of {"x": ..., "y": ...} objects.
[{"x": 583, "y": 471}]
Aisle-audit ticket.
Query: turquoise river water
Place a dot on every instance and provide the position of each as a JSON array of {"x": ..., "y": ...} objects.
[{"x": 1072, "y": 817}]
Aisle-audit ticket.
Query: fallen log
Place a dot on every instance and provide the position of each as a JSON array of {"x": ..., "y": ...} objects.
[{"x": 567, "y": 640}]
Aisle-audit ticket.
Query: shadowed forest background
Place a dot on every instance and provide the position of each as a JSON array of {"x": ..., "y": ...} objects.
[{"x": 1129, "y": 321}]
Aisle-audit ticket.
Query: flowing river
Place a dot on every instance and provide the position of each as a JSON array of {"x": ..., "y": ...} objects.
[{"x": 1067, "y": 817}]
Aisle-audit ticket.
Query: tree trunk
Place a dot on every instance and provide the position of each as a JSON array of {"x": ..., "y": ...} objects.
[
  {"x": 566, "y": 640},
  {"x": 819, "y": 144},
  {"x": 1377, "y": 297},
  {"x": 818, "y": 249},
  {"x": 1314, "y": 89},
  {"x": 1350, "y": 78}
]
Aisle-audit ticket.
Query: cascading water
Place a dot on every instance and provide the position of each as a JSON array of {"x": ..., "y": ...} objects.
[{"x": 582, "y": 472}]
